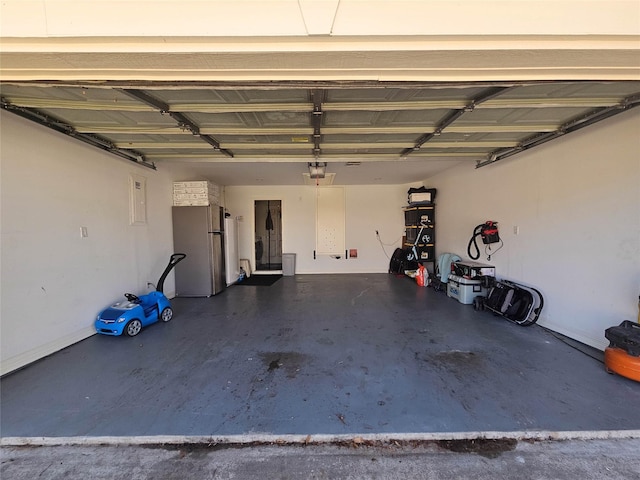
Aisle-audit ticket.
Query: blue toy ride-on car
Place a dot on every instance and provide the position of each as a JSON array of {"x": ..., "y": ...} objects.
[{"x": 131, "y": 315}]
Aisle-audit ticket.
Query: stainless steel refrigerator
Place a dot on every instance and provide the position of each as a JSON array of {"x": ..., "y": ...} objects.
[{"x": 199, "y": 233}]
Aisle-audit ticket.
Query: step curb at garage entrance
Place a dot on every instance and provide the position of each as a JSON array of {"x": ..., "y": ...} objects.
[{"x": 249, "y": 440}]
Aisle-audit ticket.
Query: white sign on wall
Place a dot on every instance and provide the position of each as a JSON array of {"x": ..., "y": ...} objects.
[
  {"x": 330, "y": 221},
  {"x": 137, "y": 200}
]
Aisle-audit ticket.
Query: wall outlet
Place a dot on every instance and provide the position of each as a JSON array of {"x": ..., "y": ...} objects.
[
  {"x": 516, "y": 229},
  {"x": 83, "y": 232}
]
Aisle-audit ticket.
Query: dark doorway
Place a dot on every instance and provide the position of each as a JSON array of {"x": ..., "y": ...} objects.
[{"x": 268, "y": 235}]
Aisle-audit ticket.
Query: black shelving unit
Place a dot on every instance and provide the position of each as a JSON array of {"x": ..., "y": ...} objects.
[{"x": 420, "y": 232}]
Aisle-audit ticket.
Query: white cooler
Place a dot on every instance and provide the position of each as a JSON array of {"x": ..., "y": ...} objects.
[{"x": 464, "y": 289}]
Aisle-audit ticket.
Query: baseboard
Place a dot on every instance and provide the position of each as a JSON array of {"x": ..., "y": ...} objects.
[
  {"x": 23, "y": 359},
  {"x": 600, "y": 344},
  {"x": 350, "y": 272}
]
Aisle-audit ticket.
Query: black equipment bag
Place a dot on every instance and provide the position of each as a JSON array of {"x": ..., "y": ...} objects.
[
  {"x": 625, "y": 336},
  {"x": 399, "y": 262}
]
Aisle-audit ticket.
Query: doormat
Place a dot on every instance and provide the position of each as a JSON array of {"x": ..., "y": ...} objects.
[{"x": 260, "y": 280}]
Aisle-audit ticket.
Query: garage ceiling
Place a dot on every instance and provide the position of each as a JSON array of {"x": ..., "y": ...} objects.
[{"x": 366, "y": 132}]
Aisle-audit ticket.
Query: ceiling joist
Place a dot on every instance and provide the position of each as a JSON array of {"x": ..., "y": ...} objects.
[
  {"x": 299, "y": 146},
  {"x": 117, "y": 104},
  {"x": 183, "y": 121},
  {"x": 454, "y": 115},
  {"x": 295, "y": 131},
  {"x": 318, "y": 97},
  {"x": 333, "y": 158}
]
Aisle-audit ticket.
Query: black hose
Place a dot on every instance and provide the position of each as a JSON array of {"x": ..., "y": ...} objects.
[{"x": 472, "y": 242}]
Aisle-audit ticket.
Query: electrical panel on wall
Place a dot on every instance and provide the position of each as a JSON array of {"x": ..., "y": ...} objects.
[
  {"x": 330, "y": 221},
  {"x": 137, "y": 200}
]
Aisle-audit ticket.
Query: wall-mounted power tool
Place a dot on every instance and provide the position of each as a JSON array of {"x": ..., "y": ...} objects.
[{"x": 488, "y": 231}]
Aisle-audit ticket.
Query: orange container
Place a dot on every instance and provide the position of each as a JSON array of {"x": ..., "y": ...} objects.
[{"x": 616, "y": 360}]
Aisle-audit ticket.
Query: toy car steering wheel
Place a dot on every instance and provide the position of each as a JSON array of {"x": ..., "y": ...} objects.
[{"x": 132, "y": 298}]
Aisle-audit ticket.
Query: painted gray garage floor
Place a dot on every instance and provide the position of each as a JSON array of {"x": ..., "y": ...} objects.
[{"x": 317, "y": 354}]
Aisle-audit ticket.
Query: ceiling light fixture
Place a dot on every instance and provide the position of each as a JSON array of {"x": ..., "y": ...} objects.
[{"x": 317, "y": 169}]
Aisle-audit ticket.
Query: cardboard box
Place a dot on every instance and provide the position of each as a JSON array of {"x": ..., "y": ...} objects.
[
  {"x": 193, "y": 203},
  {"x": 195, "y": 193},
  {"x": 425, "y": 197}
]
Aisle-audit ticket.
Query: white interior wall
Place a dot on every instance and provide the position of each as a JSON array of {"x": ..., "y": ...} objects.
[
  {"x": 53, "y": 281},
  {"x": 246, "y": 18},
  {"x": 395, "y": 40},
  {"x": 52, "y": 185},
  {"x": 368, "y": 208},
  {"x": 576, "y": 201}
]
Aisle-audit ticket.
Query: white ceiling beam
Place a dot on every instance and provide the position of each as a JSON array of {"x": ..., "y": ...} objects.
[
  {"x": 325, "y": 146},
  {"x": 516, "y": 128},
  {"x": 210, "y": 158},
  {"x": 241, "y": 107},
  {"x": 132, "y": 130},
  {"x": 378, "y": 40},
  {"x": 461, "y": 66},
  {"x": 392, "y": 106},
  {"x": 294, "y": 131},
  {"x": 164, "y": 145},
  {"x": 118, "y": 104},
  {"x": 550, "y": 102},
  {"x": 239, "y": 147},
  {"x": 299, "y": 131},
  {"x": 113, "y": 105}
]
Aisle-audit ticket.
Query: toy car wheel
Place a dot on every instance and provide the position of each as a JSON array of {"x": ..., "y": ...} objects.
[
  {"x": 166, "y": 315},
  {"x": 133, "y": 328}
]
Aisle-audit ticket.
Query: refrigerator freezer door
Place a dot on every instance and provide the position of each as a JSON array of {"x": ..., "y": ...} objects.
[
  {"x": 216, "y": 218},
  {"x": 217, "y": 255},
  {"x": 231, "y": 257},
  {"x": 194, "y": 275}
]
